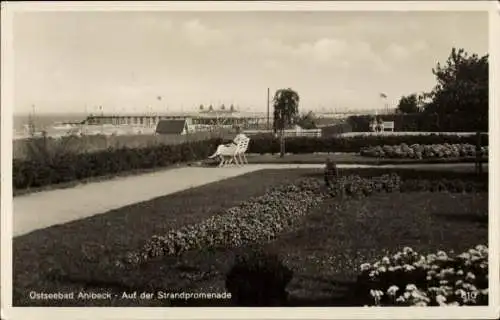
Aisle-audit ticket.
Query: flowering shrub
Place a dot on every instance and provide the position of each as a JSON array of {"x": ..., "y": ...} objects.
[
  {"x": 411, "y": 279},
  {"x": 421, "y": 151},
  {"x": 354, "y": 185},
  {"x": 253, "y": 221}
]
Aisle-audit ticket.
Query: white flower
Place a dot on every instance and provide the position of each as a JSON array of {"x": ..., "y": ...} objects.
[
  {"x": 481, "y": 248},
  {"x": 441, "y": 253},
  {"x": 386, "y": 260},
  {"x": 392, "y": 290},
  {"x": 454, "y": 303},
  {"x": 376, "y": 293},
  {"x": 411, "y": 287},
  {"x": 391, "y": 269},
  {"x": 408, "y": 267},
  {"x": 406, "y": 295},
  {"x": 382, "y": 269},
  {"x": 460, "y": 292},
  {"x": 464, "y": 255},
  {"x": 421, "y": 304},
  {"x": 484, "y": 291},
  {"x": 470, "y": 276},
  {"x": 407, "y": 250},
  {"x": 440, "y": 299},
  {"x": 401, "y": 299},
  {"x": 365, "y": 266},
  {"x": 460, "y": 272}
]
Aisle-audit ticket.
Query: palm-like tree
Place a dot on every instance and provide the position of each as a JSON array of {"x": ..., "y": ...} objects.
[{"x": 286, "y": 108}]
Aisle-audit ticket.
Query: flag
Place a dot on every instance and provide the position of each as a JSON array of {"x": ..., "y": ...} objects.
[{"x": 383, "y": 95}]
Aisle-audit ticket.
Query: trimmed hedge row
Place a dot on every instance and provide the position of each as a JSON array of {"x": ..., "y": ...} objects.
[
  {"x": 71, "y": 167},
  {"x": 65, "y": 167},
  {"x": 419, "y": 151},
  {"x": 301, "y": 145}
]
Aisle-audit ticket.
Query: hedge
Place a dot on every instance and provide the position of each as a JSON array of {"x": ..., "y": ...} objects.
[
  {"x": 66, "y": 167},
  {"x": 298, "y": 145},
  {"x": 50, "y": 169}
]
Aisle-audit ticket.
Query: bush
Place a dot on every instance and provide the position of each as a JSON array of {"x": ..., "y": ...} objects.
[
  {"x": 48, "y": 168},
  {"x": 356, "y": 186},
  {"x": 65, "y": 167},
  {"x": 256, "y": 220},
  {"x": 258, "y": 278},
  {"x": 301, "y": 145},
  {"x": 408, "y": 278},
  {"x": 419, "y": 151}
]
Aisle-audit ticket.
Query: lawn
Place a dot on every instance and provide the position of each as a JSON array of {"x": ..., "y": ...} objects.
[
  {"x": 324, "y": 251},
  {"x": 82, "y": 248}
]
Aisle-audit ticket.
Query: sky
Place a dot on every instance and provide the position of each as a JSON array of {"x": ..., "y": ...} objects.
[{"x": 173, "y": 61}]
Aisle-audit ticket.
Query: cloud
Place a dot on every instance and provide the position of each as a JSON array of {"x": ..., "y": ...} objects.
[
  {"x": 323, "y": 50},
  {"x": 200, "y": 34},
  {"x": 400, "y": 52},
  {"x": 397, "y": 51}
]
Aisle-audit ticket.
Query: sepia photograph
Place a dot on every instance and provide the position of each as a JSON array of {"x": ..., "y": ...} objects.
[{"x": 208, "y": 157}]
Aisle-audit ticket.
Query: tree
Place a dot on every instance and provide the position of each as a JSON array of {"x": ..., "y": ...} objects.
[
  {"x": 460, "y": 98},
  {"x": 307, "y": 121},
  {"x": 408, "y": 104},
  {"x": 286, "y": 108},
  {"x": 210, "y": 108},
  {"x": 201, "y": 107},
  {"x": 231, "y": 108},
  {"x": 223, "y": 107}
]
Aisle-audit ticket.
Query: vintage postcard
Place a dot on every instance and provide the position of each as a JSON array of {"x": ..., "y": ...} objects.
[{"x": 223, "y": 160}]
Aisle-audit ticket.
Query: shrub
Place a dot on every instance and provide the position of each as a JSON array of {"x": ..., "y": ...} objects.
[
  {"x": 301, "y": 145},
  {"x": 258, "y": 278},
  {"x": 418, "y": 151},
  {"x": 356, "y": 186},
  {"x": 61, "y": 165},
  {"x": 257, "y": 220},
  {"x": 64, "y": 167},
  {"x": 409, "y": 278}
]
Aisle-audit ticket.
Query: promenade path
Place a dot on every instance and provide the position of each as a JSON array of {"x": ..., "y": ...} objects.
[{"x": 47, "y": 208}]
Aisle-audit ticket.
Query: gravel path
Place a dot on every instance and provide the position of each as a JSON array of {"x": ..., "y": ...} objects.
[{"x": 43, "y": 209}]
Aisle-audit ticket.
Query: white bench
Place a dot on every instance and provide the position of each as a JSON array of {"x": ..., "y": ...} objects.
[
  {"x": 233, "y": 152},
  {"x": 388, "y": 126}
]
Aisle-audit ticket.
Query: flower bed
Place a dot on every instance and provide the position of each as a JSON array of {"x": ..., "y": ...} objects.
[
  {"x": 265, "y": 217},
  {"x": 354, "y": 185},
  {"x": 408, "y": 278},
  {"x": 253, "y": 221},
  {"x": 422, "y": 151}
]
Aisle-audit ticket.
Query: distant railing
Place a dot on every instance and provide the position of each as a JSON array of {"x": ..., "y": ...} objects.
[{"x": 289, "y": 132}]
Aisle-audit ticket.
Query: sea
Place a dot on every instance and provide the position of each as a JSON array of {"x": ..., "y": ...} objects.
[{"x": 42, "y": 121}]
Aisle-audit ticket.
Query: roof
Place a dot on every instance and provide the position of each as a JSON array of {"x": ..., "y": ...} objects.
[{"x": 170, "y": 126}]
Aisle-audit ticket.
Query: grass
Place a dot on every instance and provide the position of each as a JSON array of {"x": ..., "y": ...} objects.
[
  {"x": 82, "y": 248},
  {"x": 323, "y": 252}
]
